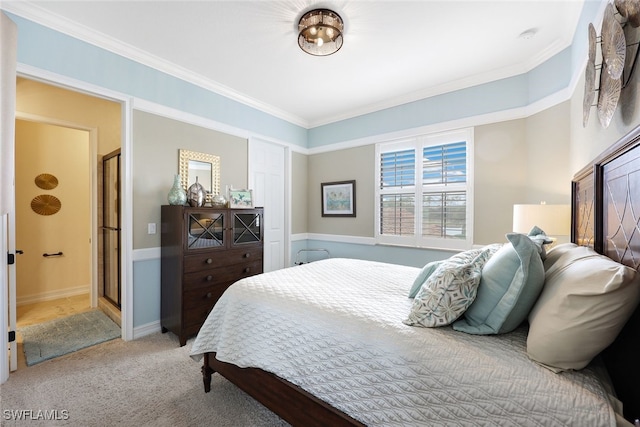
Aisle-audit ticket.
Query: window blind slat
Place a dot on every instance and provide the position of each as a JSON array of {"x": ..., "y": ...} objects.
[
  {"x": 397, "y": 169},
  {"x": 444, "y": 215},
  {"x": 444, "y": 164},
  {"x": 397, "y": 214}
]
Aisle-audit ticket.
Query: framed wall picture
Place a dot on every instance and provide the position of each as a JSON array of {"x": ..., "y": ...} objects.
[
  {"x": 240, "y": 199},
  {"x": 338, "y": 198}
]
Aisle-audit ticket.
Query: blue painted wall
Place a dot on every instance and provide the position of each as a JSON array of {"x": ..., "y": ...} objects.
[{"x": 146, "y": 292}]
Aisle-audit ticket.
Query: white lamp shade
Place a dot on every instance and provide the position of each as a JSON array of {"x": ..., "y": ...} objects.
[{"x": 554, "y": 220}]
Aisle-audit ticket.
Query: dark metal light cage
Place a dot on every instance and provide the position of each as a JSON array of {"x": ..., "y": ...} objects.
[{"x": 320, "y": 32}]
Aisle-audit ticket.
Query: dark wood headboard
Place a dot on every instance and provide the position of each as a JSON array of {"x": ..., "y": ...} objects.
[{"x": 606, "y": 217}]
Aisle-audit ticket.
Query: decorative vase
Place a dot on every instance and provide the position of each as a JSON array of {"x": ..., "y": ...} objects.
[
  {"x": 218, "y": 201},
  {"x": 196, "y": 194},
  {"x": 177, "y": 195}
]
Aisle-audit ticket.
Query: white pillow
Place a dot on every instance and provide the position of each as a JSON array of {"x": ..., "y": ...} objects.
[
  {"x": 556, "y": 252},
  {"x": 586, "y": 301},
  {"x": 448, "y": 292}
]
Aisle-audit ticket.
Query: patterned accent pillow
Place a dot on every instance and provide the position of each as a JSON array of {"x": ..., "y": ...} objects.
[
  {"x": 450, "y": 290},
  {"x": 424, "y": 274}
]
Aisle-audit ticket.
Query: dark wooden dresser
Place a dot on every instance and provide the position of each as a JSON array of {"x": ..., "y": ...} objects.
[{"x": 204, "y": 250}]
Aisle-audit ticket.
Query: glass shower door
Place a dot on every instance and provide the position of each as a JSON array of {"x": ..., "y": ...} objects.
[{"x": 111, "y": 227}]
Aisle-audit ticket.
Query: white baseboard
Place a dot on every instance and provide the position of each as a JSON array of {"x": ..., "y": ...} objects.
[
  {"x": 51, "y": 295},
  {"x": 147, "y": 329}
]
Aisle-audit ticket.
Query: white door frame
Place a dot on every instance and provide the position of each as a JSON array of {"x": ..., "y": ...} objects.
[
  {"x": 127, "y": 178},
  {"x": 8, "y": 63}
]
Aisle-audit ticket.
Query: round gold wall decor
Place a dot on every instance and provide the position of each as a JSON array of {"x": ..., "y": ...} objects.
[
  {"x": 45, "y": 204},
  {"x": 46, "y": 181}
]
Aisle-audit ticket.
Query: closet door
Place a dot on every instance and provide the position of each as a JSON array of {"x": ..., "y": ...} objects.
[{"x": 267, "y": 178}]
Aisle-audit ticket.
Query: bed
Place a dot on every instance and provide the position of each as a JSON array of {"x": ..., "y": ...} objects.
[{"x": 363, "y": 365}]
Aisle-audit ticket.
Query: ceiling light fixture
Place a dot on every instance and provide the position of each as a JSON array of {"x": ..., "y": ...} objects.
[{"x": 320, "y": 32}]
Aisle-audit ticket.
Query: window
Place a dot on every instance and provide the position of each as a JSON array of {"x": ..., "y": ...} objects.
[{"x": 423, "y": 190}]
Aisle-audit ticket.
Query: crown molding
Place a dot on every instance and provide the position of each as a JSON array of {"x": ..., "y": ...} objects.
[
  {"x": 471, "y": 81},
  {"x": 39, "y": 15},
  {"x": 43, "y": 17}
]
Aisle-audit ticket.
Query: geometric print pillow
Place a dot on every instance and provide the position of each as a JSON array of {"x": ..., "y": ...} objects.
[{"x": 450, "y": 290}]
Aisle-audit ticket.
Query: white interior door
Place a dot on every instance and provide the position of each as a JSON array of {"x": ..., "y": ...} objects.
[
  {"x": 267, "y": 174},
  {"x": 8, "y": 55}
]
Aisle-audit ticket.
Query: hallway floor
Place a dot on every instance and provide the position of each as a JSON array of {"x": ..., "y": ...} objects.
[{"x": 30, "y": 314}]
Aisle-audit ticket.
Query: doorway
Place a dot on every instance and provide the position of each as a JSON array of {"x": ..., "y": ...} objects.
[
  {"x": 100, "y": 122},
  {"x": 53, "y": 212}
]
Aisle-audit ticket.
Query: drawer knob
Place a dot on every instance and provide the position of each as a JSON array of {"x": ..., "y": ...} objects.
[
  {"x": 248, "y": 269},
  {"x": 209, "y": 261},
  {"x": 209, "y": 278},
  {"x": 209, "y": 295},
  {"x": 247, "y": 255}
]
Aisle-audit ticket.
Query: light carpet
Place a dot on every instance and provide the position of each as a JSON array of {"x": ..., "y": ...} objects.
[
  {"x": 57, "y": 337},
  {"x": 150, "y": 381}
]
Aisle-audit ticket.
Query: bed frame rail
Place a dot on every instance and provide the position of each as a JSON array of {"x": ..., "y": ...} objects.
[{"x": 290, "y": 402}]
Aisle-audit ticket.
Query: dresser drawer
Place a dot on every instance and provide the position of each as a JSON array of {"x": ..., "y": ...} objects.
[
  {"x": 215, "y": 259},
  {"x": 198, "y": 303},
  {"x": 195, "y": 317},
  {"x": 229, "y": 273},
  {"x": 205, "y": 296}
]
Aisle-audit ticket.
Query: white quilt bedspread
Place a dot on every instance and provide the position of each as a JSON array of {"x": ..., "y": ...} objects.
[{"x": 334, "y": 328}]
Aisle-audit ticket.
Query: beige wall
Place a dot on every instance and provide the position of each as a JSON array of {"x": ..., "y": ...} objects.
[
  {"x": 52, "y": 102},
  {"x": 156, "y": 141},
  {"x": 64, "y": 153},
  {"x": 299, "y": 193},
  {"x": 548, "y": 150},
  {"x": 519, "y": 161},
  {"x": 500, "y": 178},
  {"x": 343, "y": 165}
]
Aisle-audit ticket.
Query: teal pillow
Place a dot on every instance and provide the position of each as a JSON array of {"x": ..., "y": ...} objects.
[
  {"x": 511, "y": 282},
  {"x": 424, "y": 274},
  {"x": 540, "y": 238}
]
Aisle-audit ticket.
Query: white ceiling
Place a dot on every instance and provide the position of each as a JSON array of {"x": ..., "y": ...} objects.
[{"x": 394, "y": 51}]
